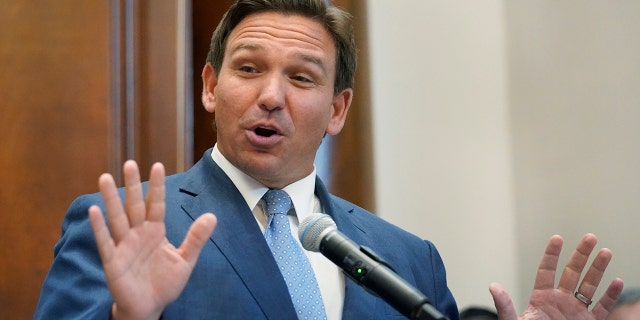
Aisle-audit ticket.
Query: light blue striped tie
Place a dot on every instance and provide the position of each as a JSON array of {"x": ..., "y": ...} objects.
[{"x": 293, "y": 263}]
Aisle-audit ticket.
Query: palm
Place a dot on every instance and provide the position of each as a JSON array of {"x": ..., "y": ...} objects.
[
  {"x": 139, "y": 267},
  {"x": 549, "y": 302},
  {"x": 555, "y": 304},
  {"x": 144, "y": 271}
]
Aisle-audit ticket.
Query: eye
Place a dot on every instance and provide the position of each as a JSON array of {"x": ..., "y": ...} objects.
[
  {"x": 248, "y": 69},
  {"x": 303, "y": 78}
]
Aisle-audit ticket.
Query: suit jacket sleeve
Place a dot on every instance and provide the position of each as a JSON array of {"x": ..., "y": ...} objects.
[{"x": 75, "y": 287}]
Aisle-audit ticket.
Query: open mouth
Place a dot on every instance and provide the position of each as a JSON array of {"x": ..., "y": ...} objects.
[{"x": 265, "y": 132}]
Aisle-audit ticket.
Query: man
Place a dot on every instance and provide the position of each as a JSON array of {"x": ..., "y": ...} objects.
[{"x": 279, "y": 77}]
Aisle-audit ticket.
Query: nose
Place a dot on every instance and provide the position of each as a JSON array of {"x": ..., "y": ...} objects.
[{"x": 272, "y": 95}]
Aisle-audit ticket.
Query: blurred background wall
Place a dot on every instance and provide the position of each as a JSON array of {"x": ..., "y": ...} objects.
[{"x": 500, "y": 123}]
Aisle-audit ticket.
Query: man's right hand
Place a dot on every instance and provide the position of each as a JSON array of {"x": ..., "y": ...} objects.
[{"x": 144, "y": 271}]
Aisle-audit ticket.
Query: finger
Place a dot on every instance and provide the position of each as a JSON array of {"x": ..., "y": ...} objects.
[
  {"x": 104, "y": 241},
  {"x": 118, "y": 220},
  {"x": 546, "y": 273},
  {"x": 592, "y": 279},
  {"x": 197, "y": 236},
  {"x": 604, "y": 306},
  {"x": 155, "y": 201},
  {"x": 503, "y": 303},
  {"x": 134, "y": 203},
  {"x": 575, "y": 265}
]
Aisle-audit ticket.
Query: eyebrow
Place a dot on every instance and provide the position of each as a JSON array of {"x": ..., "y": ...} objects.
[
  {"x": 313, "y": 59},
  {"x": 245, "y": 46}
]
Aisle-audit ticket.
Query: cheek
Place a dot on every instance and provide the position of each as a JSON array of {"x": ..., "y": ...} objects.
[
  {"x": 313, "y": 121},
  {"x": 227, "y": 103}
]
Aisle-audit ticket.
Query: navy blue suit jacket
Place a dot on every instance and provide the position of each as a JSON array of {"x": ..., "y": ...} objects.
[{"x": 236, "y": 276}]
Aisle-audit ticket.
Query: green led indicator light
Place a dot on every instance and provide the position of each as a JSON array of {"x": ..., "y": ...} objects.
[{"x": 359, "y": 270}]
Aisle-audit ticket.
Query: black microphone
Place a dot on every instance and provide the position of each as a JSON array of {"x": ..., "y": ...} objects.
[{"x": 319, "y": 233}]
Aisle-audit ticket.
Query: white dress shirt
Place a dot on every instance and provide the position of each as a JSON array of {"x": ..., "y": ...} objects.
[{"x": 305, "y": 203}]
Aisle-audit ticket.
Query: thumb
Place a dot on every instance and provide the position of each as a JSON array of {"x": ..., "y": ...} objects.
[
  {"x": 503, "y": 302},
  {"x": 198, "y": 234}
]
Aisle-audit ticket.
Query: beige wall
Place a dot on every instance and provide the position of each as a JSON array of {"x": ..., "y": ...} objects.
[
  {"x": 500, "y": 123},
  {"x": 575, "y": 123}
]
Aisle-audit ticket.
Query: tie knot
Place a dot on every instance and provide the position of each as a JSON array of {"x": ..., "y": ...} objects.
[{"x": 277, "y": 202}]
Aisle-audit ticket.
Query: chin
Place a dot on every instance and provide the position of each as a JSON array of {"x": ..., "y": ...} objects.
[{"x": 262, "y": 164}]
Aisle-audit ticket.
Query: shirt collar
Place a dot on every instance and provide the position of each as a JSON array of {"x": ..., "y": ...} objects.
[{"x": 301, "y": 191}]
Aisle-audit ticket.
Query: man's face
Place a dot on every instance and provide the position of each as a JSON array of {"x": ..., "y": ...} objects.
[{"x": 274, "y": 97}]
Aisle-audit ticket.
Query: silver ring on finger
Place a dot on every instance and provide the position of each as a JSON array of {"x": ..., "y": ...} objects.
[{"x": 582, "y": 298}]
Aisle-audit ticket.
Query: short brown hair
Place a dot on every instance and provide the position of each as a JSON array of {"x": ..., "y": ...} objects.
[{"x": 335, "y": 20}]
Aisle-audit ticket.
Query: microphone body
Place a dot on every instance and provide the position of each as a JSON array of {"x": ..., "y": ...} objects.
[{"x": 319, "y": 233}]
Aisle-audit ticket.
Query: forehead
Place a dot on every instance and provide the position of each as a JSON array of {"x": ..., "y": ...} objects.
[{"x": 276, "y": 28}]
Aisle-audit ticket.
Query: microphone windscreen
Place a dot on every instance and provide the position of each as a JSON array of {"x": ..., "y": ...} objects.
[{"x": 313, "y": 228}]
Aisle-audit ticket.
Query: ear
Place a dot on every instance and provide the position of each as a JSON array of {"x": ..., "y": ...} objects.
[
  {"x": 209, "y": 82},
  {"x": 341, "y": 104}
]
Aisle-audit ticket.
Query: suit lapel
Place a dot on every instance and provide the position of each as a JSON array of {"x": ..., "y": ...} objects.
[
  {"x": 238, "y": 236},
  {"x": 357, "y": 301}
]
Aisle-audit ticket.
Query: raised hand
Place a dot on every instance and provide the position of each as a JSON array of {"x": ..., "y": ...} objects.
[
  {"x": 144, "y": 271},
  {"x": 569, "y": 300}
]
